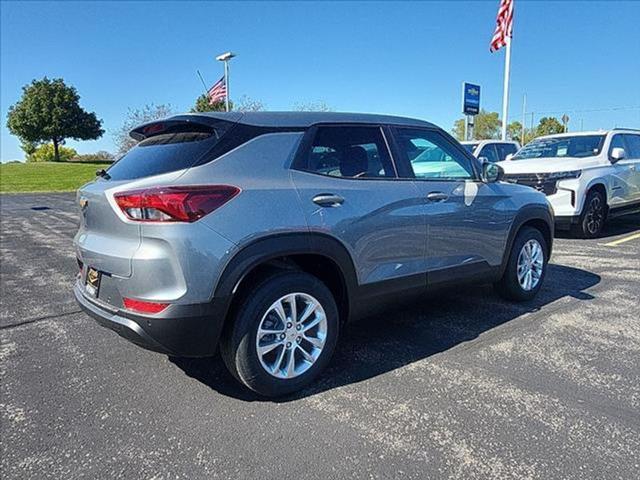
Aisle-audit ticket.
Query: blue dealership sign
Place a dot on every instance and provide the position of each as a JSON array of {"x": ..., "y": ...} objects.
[{"x": 470, "y": 99}]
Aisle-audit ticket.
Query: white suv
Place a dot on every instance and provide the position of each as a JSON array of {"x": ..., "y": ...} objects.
[
  {"x": 587, "y": 176},
  {"x": 491, "y": 150}
]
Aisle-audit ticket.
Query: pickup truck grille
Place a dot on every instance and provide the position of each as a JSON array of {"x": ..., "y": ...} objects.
[{"x": 534, "y": 180}]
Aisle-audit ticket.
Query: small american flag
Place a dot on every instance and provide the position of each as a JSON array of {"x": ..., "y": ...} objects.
[
  {"x": 504, "y": 27},
  {"x": 217, "y": 92}
]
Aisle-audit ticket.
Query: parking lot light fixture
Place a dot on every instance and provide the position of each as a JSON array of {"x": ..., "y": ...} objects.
[{"x": 225, "y": 57}]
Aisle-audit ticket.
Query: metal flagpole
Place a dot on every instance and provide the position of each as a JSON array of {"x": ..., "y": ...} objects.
[
  {"x": 226, "y": 84},
  {"x": 505, "y": 94},
  {"x": 204, "y": 85}
]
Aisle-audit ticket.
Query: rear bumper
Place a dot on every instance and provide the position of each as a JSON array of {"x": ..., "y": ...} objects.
[{"x": 180, "y": 330}]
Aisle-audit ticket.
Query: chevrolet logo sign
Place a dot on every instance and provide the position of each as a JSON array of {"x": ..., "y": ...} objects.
[{"x": 83, "y": 203}]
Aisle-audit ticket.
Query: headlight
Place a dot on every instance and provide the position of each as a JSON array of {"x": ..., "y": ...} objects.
[{"x": 564, "y": 175}]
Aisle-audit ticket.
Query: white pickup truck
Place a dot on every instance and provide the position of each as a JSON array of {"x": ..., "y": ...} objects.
[
  {"x": 587, "y": 176},
  {"x": 491, "y": 150}
]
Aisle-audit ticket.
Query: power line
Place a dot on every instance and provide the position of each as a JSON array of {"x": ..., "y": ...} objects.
[
  {"x": 590, "y": 110},
  {"x": 573, "y": 111}
]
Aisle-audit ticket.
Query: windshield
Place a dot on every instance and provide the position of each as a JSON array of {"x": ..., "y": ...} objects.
[
  {"x": 470, "y": 146},
  {"x": 176, "y": 147},
  {"x": 556, "y": 147}
]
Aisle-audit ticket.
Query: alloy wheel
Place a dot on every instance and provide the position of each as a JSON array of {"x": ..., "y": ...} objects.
[
  {"x": 595, "y": 215},
  {"x": 530, "y": 265},
  {"x": 291, "y": 335}
]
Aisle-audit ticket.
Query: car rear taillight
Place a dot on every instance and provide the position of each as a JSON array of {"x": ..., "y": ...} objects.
[
  {"x": 141, "y": 306},
  {"x": 174, "y": 204}
]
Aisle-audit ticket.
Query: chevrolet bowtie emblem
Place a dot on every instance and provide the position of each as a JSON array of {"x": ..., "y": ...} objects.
[{"x": 83, "y": 203}]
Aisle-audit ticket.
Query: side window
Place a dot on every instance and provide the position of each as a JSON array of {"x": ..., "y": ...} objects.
[
  {"x": 430, "y": 156},
  {"x": 633, "y": 145},
  {"x": 489, "y": 152},
  {"x": 618, "y": 142},
  {"x": 349, "y": 151},
  {"x": 505, "y": 149}
]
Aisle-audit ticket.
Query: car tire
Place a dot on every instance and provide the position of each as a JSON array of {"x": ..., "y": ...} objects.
[
  {"x": 525, "y": 272},
  {"x": 593, "y": 216},
  {"x": 284, "y": 368}
]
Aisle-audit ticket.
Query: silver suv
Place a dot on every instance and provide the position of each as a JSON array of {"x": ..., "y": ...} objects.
[{"x": 264, "y": 232}]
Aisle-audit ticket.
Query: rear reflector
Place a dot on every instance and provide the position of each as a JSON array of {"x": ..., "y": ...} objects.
[
  {"x": 143, "y": 307},
  {"x": 174, "y": 204}
]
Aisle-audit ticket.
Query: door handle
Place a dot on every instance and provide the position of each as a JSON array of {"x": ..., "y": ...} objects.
[
  {"x": 437, "y": 196},
  {"x": 328, "y": 200}
]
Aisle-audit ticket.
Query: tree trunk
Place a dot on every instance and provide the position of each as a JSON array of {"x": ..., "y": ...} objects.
[{"x": 55, "y": 150}]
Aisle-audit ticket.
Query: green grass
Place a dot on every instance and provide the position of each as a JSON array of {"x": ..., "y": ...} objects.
[{"x": 46, "y": 176}]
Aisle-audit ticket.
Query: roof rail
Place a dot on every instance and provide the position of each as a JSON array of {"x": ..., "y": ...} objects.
[{"x": 631, "y": 129}]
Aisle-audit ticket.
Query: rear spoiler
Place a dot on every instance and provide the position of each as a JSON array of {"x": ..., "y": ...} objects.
[{"x": 183, "y": 123}]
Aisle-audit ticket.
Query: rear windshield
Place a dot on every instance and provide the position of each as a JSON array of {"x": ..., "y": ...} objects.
[{"x": 173, "y": 147}]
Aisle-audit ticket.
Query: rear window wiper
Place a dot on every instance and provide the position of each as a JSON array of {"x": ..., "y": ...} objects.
[{"x": 103, "y": 173}]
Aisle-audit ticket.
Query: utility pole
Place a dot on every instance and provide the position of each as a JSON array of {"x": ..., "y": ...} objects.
[
  {"x": 531, "y": 123},
  {"x": 524, "y": 117},
  {"x": 225, "y": 57}
]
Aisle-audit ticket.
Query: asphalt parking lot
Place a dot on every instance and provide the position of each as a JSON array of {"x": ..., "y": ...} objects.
[{"x": 462, "y": 385}]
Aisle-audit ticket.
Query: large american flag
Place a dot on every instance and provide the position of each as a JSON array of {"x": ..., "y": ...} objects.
[
  {"x": 504, "y": 25},
  {"x": 217, "y": 92}
]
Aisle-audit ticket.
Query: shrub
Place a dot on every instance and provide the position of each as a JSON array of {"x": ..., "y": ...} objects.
[
  {"x": 46, "y": 153},
  {"x": 98, "y": 157}
]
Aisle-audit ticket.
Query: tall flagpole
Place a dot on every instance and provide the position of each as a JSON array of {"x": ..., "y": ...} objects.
[
  {"x": 505, "y": 92},
  {"x": 226, "y": 84}
]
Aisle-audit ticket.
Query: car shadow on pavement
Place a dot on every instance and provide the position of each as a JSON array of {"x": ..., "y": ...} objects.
[
  {"x": 409, "y": 333},
  {"x": 616, "y": 226}
]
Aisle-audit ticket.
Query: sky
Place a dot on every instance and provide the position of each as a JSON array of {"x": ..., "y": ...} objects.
[{"x": 403, "y": 58}]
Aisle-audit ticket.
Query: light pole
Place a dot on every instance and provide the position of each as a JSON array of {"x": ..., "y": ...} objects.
[{"x": 225, "y": 57}]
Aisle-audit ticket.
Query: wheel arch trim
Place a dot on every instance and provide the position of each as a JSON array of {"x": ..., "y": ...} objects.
[
  {"x": 275, "y": 246},
  {"x": 526, "y": 215}
]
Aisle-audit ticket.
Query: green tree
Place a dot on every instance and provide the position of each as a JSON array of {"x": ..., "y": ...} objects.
[
  {"x": 50, "y": 110},
  {"x": 514, "y": 131},
  {"x": 47, "y": 153},
  {"x": 28, "y": 147},
  {"x": 136, "y": 117},
  {"x": 203, "y": 105},
  {"x": 549, "y": 126},
  {"x": 486, "y": 126}
]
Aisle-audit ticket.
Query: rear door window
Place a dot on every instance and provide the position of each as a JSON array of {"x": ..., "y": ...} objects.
[
  {"x": 168, "y": 147},
  {"x": 349, "y": 151}
]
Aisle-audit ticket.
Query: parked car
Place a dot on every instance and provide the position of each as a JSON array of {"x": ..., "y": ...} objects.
[
  {"x": 491, "y": 150},
  {"x": 264, "y": 232},
  {"x": 588, "y": 177}
]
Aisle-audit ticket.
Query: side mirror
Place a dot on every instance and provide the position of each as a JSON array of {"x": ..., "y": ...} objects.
[
  {"x": 617, "y": 154},
  {"x": 508, "y": 157},
  {"x": 483, "y": 159},
  {"x": 491, "y": 172}
]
